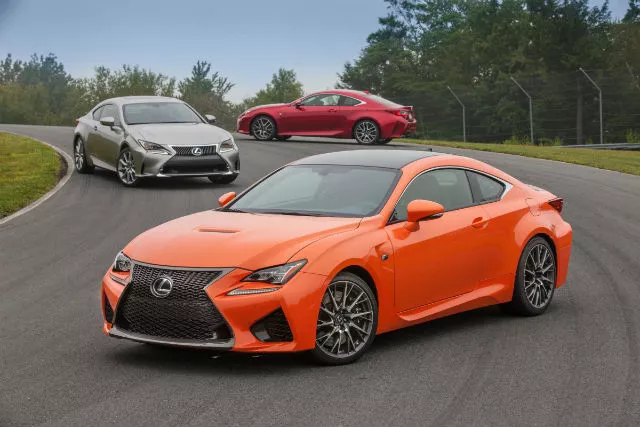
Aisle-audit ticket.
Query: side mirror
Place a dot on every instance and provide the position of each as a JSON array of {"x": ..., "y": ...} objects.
[
  {"x": 108, "y": 121},
  {"x": 211, "y": 119},
  {"x": 297, "y": 105},
  {"x": 422, "y": 209},
  {"x": 226, "y": 198}
]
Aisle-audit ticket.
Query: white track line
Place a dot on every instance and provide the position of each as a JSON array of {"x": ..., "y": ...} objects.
[{"x": 70, "y": 165}]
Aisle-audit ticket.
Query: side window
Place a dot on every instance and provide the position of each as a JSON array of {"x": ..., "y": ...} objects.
[
  {"x": 322, "y": 100},
  {"x": 96, "y": 113},
  {"x": 484, "y": 189},
  {"x": 347, "y": 101},
  {"x": 449, "y": 187},
  {"x": 111, "y": 110}
]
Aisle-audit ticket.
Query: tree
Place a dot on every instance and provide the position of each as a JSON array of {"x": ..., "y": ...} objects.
[
  {"x": 206, "y": 92},
  {"x": 284, "y": 87},
  {"x": 633, "y": 12}
]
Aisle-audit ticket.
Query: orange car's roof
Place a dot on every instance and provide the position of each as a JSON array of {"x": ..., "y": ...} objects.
[{"x": 393, "y": 159}]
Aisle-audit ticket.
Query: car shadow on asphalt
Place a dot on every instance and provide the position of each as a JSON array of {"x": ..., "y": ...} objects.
[
  {"x": 175, "y": 184},
  {"x": 384, "y": 346}
]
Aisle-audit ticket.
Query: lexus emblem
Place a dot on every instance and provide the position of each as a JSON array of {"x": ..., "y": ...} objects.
[
  {"x": 196, "y": 151},
  {"x": 161, "y": 287}
]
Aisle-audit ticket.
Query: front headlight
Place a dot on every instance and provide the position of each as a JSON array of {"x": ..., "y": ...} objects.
[
  {"x": 122, "y": 263},
  {"x": 227, "y": 145},
  {"x": 152, "y": 147},
  {"x": 278, "y": 275}
]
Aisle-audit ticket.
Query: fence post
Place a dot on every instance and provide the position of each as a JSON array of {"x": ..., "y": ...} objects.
[
  {"x": 600, "y": 101},
  {"x": 464, "y": 116},
  {"x": 530, "y": 108}
]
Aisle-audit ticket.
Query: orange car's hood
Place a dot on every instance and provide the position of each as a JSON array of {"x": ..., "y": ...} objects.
[{"x": 230, "y": 239}]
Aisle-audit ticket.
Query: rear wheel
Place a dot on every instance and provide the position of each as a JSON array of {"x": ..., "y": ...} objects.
[
  {"x": 223, "y": 179},
  {"x": 535, "y": 280},
  {"x": 347, "y": 321},
  {"x": 127, "y": 168},
  {"x": 366, "y": 132},
  {"x": 80, "y": 157},
  {"x": 263, "y": 128}
]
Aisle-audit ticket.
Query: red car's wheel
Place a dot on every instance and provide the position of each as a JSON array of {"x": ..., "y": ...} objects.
[
  {"x": 366, "y": 132},
  {"x": 263, "y": 128}
]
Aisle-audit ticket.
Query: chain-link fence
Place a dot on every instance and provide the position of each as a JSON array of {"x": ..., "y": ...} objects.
[{"x": 566, "y": 109}]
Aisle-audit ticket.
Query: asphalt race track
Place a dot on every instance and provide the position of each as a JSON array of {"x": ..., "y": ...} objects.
[{"x": 577, "y": 365}]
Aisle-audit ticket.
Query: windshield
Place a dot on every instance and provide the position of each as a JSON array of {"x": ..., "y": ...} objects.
[
  {"x": 159, "y": 112},
  {"x": 320, "y": 190}
]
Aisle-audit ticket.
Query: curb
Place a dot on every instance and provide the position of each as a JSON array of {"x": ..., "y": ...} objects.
[{"x": 70, "y": 166}]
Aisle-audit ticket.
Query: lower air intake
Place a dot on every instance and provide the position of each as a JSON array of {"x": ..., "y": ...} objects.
[
  {"x": 273, "y": 328},
  {"x": 108, "y": 310}
]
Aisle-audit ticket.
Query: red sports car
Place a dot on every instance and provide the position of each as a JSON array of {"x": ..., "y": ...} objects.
[{"x": 367, "y": 118}]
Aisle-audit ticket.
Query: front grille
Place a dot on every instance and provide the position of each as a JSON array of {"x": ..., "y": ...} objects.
[
  {"x": 185, "y": 313},
  {"x": 195, "y": 165},
  {"x": 181, "y": 150},
  {"x": 273, "y": 328},
  {"x": 108, "y": 310}
]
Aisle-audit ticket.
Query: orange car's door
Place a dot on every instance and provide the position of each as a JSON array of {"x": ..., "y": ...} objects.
[{"x": 445, "y": 257}]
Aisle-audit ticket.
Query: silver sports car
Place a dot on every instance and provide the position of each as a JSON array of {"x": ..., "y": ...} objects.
[{"x": 143, "y": 136}]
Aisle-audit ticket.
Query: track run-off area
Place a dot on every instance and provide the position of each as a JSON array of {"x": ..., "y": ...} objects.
[{"x": 576, "y": 365}]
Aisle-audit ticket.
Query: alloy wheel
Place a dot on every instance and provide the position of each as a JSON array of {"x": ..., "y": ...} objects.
[
  {"x": 127, "y": 168},
  {"x": 346, "y": 319},
  {"x": 79, "y": 155},
  {"x": 263, "y": 128},
  {"x": 539, "y": 275},
  {"x": 366, "y": 132}
]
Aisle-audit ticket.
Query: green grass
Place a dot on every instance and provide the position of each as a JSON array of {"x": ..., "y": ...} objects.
[
  {"x": 615, "y": 160},
  {"x": 28, "y": 169}
]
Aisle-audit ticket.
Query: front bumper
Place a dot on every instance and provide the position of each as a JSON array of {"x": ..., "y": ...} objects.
[
  {"x": 174, "y": 165},
  {"x": 298, "y": 301}
]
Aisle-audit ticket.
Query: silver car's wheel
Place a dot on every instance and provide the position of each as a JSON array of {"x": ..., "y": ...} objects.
[
  {"x": 80, "y": 157},
  {"x": 366, "y": 132},
  {"x": 127, "y": 168},
  {"x": 263, "y": 128},
  {"x": 347, "y": 320},
  {"x": 535, "y": 279}
]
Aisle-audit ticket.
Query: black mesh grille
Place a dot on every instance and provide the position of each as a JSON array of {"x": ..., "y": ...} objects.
[
  {"x": 186, "y": 313},
  {"x": 108, "y": 310},
  {"x": 207, "y": 150},
  {"x": 202, "y": 164},
  {"x": 276, "y": 327}
]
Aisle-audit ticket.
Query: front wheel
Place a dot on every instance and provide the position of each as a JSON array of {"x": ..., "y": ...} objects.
[
  {"x": 347, "y": 321},
  {"x": 366, "y": 132},
  {"x": 535, "y": 279},
  {"x": 223, "y": 179},
  {"x": 263, "y": 128},
  {"x": 127, "y": 169},
  {"x": 80, "y": 157}
]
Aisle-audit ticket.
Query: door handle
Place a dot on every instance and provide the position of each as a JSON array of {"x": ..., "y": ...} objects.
[
  {"x": 480, "y": 222},
  {"x": 332, "y": 110}
]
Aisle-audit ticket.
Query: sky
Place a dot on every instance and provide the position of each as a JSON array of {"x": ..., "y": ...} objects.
[{"x": 245, "y": 40}]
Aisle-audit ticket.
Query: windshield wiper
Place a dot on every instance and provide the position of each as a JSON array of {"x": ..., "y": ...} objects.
[{"x": 292, "y": 213}]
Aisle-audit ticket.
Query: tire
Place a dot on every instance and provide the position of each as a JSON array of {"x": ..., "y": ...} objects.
[
  {"x": 535, "y": 279},
  {"x": 340, "y": 338},
  {"x": 282, "y": 138},
  {"x": 366, "y": 132},
  {"x": 263, "y": 128},
  {"x": 80, "y": 157},
  {"x": 385, "y": 141},
  {"x": 223, "y": 179},
  {"x": 126, "y": 168}
]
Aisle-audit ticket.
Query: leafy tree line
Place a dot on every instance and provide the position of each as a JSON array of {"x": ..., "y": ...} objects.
[
  {"x": 40, "y": 91},
  {"x": 477, "y": 46}
]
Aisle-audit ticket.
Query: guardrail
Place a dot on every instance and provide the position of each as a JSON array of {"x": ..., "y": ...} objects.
[{"x": 605, "y": 146}]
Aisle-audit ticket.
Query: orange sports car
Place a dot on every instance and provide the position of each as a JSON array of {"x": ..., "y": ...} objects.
[{"x": 330, "y": 250}]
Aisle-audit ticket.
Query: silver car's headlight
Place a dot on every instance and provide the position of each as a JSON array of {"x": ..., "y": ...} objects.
[
  {"x": 278, "y": 275},
  {"x": 152, "y": 147},
  {"x": 228, "y": 145}
]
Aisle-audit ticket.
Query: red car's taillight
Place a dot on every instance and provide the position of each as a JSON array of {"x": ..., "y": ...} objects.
[{"x": 557, "y": 204}]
